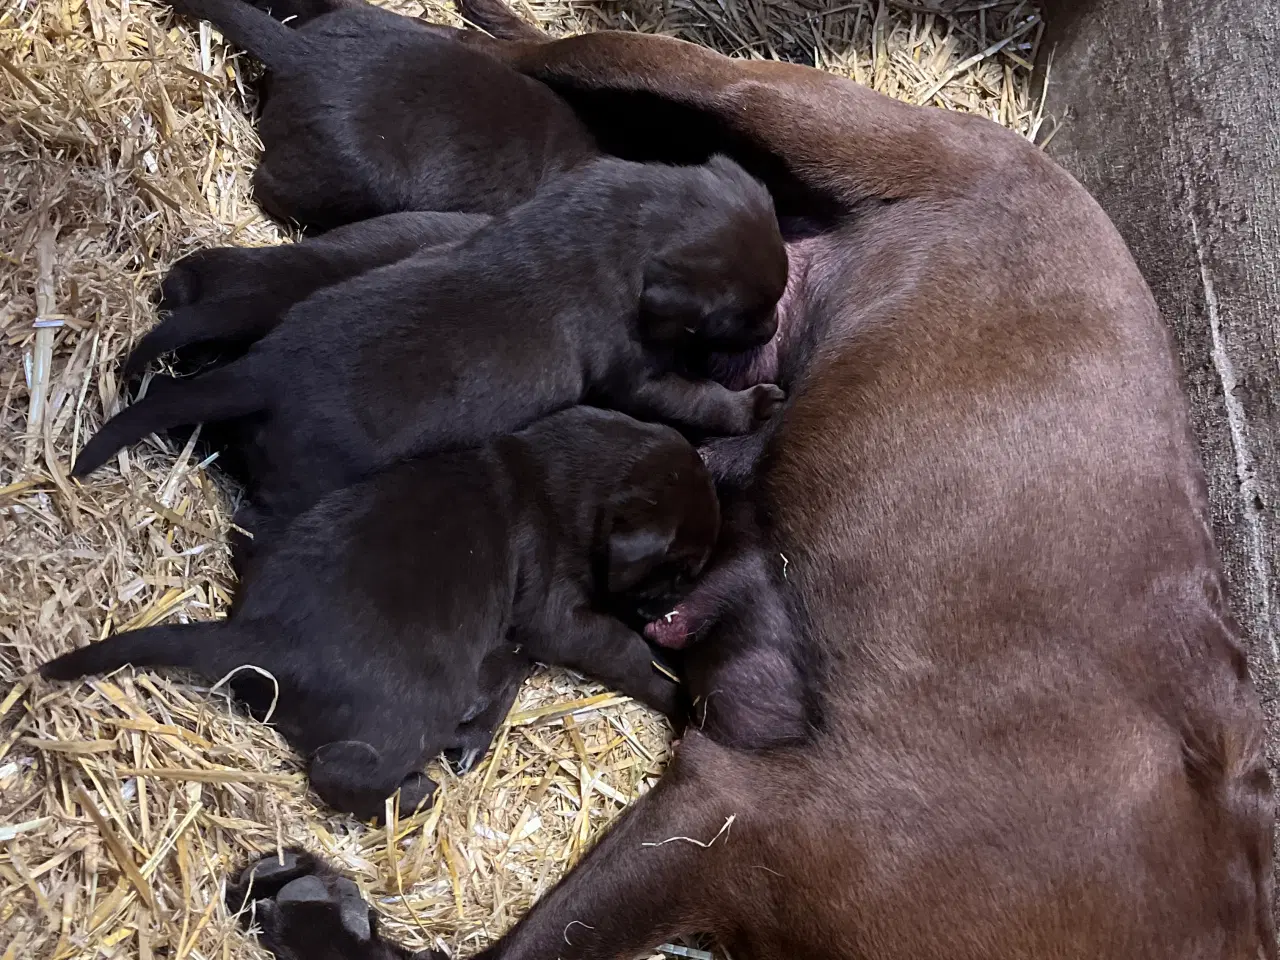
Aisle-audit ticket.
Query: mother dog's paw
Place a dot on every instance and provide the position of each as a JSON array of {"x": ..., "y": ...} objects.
[{"x": 304, "y": 910}]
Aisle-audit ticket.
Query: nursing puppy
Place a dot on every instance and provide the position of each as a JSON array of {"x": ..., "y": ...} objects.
[
  {"x": 215, "y": 303},
  {"x": 229, "y": 297},
  {"x": 592, "y": 292},
  {"x": 738, "y": 646},
  {"x": 394, "y": 614},
  {"x": 367, "y": 112},
  {"x": 1038, "y": 735}
]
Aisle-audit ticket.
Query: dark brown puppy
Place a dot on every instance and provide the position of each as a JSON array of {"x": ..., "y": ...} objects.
[
  {"x": 367, "y": 112},
  {"x": 216, "y": 303},
  {"x": 592, "y": 291},
  {"x": 394, "y": 614},
  {"x": 233, "y": 296},
  {"x": 1038, "y": 736}
]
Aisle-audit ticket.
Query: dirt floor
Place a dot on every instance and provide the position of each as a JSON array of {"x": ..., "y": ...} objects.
[{"x": 126, "y": 141}]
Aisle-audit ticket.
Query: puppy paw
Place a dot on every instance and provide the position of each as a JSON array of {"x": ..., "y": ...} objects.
[
  {"x": 198, "y": 276},
  {"x": 415, "y": 793},
  {"x": 264, "y": 879},
  {"x": 665, "y": 694},
  {"x": 351, "y": 776},
  {"x": 303, "y": 909},
  {"x": 211, "y": 305},
  {"x": 767, "y": 401}
]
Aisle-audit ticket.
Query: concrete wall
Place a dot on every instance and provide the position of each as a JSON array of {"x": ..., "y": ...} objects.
[{"x": 1171, "y": 118}]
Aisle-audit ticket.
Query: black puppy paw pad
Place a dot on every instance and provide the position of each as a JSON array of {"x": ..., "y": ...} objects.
[
  {"x": 308, "y": 889},
  {"x": 298, "y": 900},
  {"x": 353, "y": 912},
  {"x": 267, "y": 877},
  {"x": 270, "y": 867}
]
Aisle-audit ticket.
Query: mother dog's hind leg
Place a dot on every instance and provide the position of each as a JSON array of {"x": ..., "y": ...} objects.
[{"x": 666, "y": 868}]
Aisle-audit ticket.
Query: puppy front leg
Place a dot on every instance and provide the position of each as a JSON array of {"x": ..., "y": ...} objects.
[
  {"x": 741, "y": 574},
  {"x": 730, "y": 581},
  {"x": 354, "y": 777},
  {"x": 501, "y": 674},
  {"x": 604, "y": 649},
  {"x": 703, "y": 406}
]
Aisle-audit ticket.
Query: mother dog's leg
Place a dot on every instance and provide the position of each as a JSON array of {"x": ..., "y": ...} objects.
[
  {"x": 666, "y": 868},
  {"x": 835, "y": 137}
]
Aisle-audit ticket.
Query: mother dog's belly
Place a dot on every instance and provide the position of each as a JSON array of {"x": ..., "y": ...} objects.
[{"x": 995, "y": 533}]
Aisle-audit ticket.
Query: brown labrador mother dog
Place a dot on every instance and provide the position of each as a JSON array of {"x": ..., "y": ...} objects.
[{"x": 1038, "y": 734}]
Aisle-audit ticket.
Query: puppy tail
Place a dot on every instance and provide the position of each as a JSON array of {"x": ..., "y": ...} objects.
[
  {"x": 189, "y": 326},
  {"x": 222, "y": 394},
  {"x": 208, "y": 647},
  {"x": 243, "y": 25}
]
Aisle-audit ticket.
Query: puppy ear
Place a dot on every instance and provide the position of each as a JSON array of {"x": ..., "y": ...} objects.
[
  {"x": 671, "y": 307},
  {"x": 724, "y": 166},
  {"x": 638, "y": 542}
]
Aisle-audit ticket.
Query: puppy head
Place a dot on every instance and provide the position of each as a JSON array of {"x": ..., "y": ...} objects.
[
  {"x": 716, "y": 281},
  {"x": 659, "y": 528}
]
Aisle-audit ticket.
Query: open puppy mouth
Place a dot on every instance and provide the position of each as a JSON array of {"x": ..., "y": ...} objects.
[{"x": 738, "y": 371}]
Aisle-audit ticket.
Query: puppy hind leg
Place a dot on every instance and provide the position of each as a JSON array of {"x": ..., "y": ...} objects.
[
  {"x": 603, "y": 648},
  {"x": 701, "y": 407}
]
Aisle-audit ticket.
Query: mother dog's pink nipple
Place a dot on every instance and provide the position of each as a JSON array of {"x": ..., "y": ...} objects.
[{"x": 671, "y": 631}]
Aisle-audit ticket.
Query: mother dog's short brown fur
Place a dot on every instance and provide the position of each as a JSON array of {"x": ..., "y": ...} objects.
[{"x": 1039, "y": 737}]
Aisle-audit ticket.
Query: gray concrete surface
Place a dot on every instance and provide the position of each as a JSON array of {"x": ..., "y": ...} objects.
[{"x": 1170, "y": 116}]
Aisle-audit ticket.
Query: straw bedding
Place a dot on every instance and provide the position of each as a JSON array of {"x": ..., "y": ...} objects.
[{"x": 126, "y": 141}]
